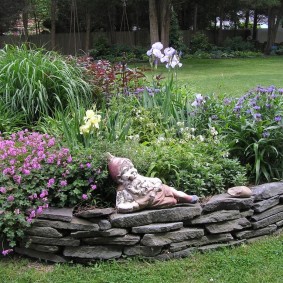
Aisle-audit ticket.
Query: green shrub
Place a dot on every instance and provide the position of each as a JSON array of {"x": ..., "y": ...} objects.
[
  {"x": 37, "y": 82},
  {"x": 199, "y": 42},
  {"x": 237, "y": 44}
]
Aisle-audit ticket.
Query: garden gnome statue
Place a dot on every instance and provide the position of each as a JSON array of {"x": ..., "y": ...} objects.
[{"x": 136, "y": 192}]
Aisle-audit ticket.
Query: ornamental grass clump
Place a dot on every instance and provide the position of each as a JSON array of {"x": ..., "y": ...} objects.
[
  {"x": 36, "y": 173},
  {"x": 37, "y": 82}
]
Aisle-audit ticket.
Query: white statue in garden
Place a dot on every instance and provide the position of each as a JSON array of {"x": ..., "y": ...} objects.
[{"x": 136, "y": 192}]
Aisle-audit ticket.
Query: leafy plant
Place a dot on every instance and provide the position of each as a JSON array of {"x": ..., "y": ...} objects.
[{"x": 37, "y": 82}]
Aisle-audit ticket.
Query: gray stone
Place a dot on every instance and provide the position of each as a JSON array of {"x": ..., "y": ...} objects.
[
  {"x": 279, "y": 223},
  {"x": 220, "y": 246},
  {"x": 265, "y": 204},
  {"x": 278, "y": 232},
  {"x": 40, "y": 255},
  {"x": 44, "y": 248},
  {"x": 67, "y": 241},
  {"x": 281, "y": 198},
  {"x": 93, "y": 252},
  {"x": 275, "y": 210},
  {"x": 255, "y": 239},
  {"x": 75, "y": 224},
  {"x": 108, "y": 233},
  {"x": 247, "y": 213},
  {"x": 127, "y": 240},
  {"x": 216, "y": 216},
  {"x": 180, "y": 254},
  {"x": 228, "y": 226},
  {"x": 267, "y": 221},
  {"x": 267, "y": 191},
  {"x": 255, "y": 233},
  {"x": 95, "y": 213},
  {"x": 104, "y": 224},
  {"x": 44, "y": 231},
  {"x": 226, "y": 202},
  {"x": 174, "y": 214},
  {"x": 61, "y": 214},
  {"x": 157, "y": 228},
  {"x": 171, "y": 237},
  {"x": 142, "y": 251},
  {"x": 205, "y": 240}
]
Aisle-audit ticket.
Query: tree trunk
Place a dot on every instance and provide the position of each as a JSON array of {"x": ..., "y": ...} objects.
[
  {"x": 53, "y": 23},
  {"x": 274, "y": 18},
  {"x": 220, "y": 33},
  {"x": 25, "y": 19},
  {"x": 255, "y": 26},
  {"x": 153, "y": 22},
  {"x": 87, "y": 37},
  {"x": 165, "y": 15},
  {"x": 195, "y": 17},
  {"x": 247, "y": 19}
]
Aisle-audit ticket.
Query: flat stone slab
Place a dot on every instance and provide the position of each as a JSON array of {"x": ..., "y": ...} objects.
[
  {"x": 255, "y": 233},
  {"x": 226, "y": 202},
  {"x": 163, "y": 239},
  {"x": 228, "y": 226},
  {"x": 61, "y": 214},
  {"x": 180, "y": 254},
  {"x": 265, "y": 204},
  {"x": 108, "y": 233},
  {"x": 67, "y": 241},
  {"x": 174, "y": 214},
  {"x": 142, "y": 251},
  {"x": 127, "y": 240},
  {"x": 93, "y": 252},
  {"x": 75, "y": 224},
  {"x": 44, "y": 248},
  {"x": 157, "y": 228},
  {"x": 266, "y": 191},
  {"x": 216, "y": 216},
  {"x": 205, "y": 240},
  {"x": 272, "y": 211},
  {"x": 220, "y": 246},
  {"x": 268, "y": 220},
  {"x": 95, "y": 213},
  {"x": 44, "y": 231},
  {"x": 40, "y": 255}
]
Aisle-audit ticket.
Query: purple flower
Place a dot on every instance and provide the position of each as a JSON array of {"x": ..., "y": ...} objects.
[
  {"x": 10, "y": 198},
  {"x": 88, "y": 165},
  {"x": 277, "y": 118},
  {"x": 63, "y": 183},
  {"x": 3, "y": 190},
  {"x": 93, "y": 187},
  {"x": 5, "y": 252},
  {"x": 39, "y": 210},
  {"x": 50, "y": 182},
  {"x": 256, "y": 107},
  {"x": 84, "y": 197},
  {"x": 257, "y": 116},
  {"x": 265, "y": 134}
]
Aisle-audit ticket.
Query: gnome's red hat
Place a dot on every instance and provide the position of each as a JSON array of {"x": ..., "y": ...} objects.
[{"x": 116, "y": 164}]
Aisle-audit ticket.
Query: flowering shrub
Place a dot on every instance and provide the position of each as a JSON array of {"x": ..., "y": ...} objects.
[
  {"x": 252, "y": 125},
  {"x": 35, "y": 173}
]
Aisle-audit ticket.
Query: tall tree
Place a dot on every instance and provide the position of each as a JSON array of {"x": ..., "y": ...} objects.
[
  {"x": 53, "y": 10},
  {"x": 159, "y": 20}
]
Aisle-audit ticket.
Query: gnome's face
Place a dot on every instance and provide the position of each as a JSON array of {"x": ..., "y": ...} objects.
[{"x": 128, "y": 174}]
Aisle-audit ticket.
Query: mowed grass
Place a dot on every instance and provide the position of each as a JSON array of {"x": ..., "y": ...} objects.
[
  {"x": 258, "y": 262},
  {"x": 232, "y": 77}
]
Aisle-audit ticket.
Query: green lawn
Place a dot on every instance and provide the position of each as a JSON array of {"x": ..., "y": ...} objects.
[
  {"x": 259, "y": 262},
  {"x": 232, "y": 77}
]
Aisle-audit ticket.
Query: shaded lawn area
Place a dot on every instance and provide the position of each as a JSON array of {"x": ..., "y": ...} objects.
[
  {"x": 232, "y": 77},
  {"x": 258, "y": 262}
]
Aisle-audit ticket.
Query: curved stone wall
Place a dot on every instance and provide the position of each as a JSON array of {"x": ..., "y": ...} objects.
[{"x": 59, "y": 236}]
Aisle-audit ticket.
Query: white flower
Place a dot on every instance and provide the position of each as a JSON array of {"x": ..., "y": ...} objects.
[
  {"x": 169, "y": 51},
  {"x": 157, "y": 53},
  {"x": 149, "y": 52},
  {"x": 201, "y": 138},
  {"x": 157, "y": 45}
]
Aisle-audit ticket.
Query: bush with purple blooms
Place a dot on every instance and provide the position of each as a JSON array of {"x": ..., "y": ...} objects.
[
  {"x": 37, "y": 173},
  {"x": 253, "y": 127}
]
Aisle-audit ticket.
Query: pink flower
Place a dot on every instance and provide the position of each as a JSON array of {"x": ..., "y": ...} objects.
[
  {"x": 63, "y": 183},
  {"x": 43, "y": 194},
  {"x": 10, "y": 198},
  {"x": 39, "y": 210},
  {"x": 84, "y": 197},
  {"x": 5, "y": 252},
  {"x": 3, "y": 190},
  {"x": 93, "y": 187},
  {"x": 32, "y": 214},
  {"x": 88, "y": 165},
  {"x": 69, "y": 159},
  {"x": 50, "y": 182}
]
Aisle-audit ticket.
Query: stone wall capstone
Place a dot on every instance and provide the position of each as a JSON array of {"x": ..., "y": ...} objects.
[{"x": 60, "y": 235}]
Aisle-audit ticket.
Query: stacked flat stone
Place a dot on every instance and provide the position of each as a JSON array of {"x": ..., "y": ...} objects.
[{"x": 102, "y": 234}]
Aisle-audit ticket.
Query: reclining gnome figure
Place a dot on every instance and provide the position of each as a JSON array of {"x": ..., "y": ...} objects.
[{"x": 136, "y": 192}]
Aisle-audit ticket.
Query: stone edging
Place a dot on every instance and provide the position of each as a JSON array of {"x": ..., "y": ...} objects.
[{"x": 102, "y": 234}]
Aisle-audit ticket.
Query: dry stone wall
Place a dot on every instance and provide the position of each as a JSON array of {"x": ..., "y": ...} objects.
[{"x": 101, "y": 234}]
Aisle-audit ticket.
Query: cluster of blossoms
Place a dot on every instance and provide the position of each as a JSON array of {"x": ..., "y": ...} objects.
[
  {"x": 34, "y": 172},
  {"x": 92, "y": 121},
  {"x": 199, "y": 100},
  {"x": 170, "y": 55}
]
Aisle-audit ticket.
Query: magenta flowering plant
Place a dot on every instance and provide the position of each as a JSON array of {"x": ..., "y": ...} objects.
[{"x": 37, "y": 173}]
